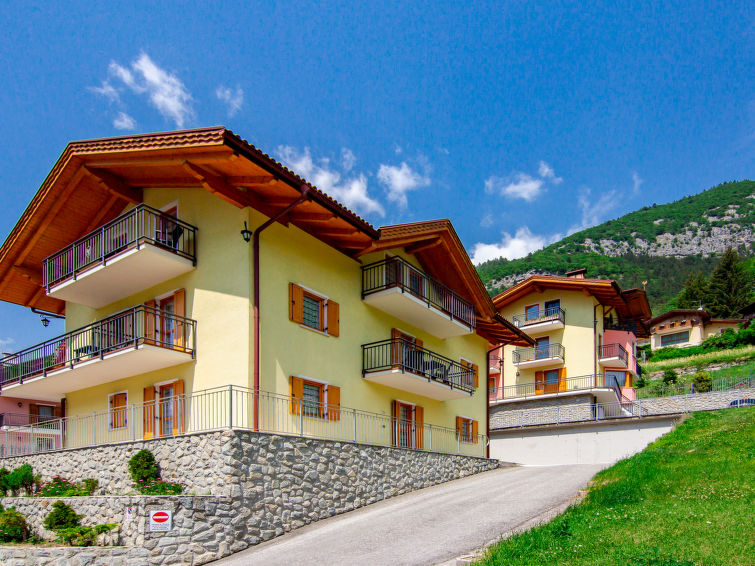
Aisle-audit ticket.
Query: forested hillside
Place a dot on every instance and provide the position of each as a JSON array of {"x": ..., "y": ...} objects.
[{"x": 660, "y": 244}]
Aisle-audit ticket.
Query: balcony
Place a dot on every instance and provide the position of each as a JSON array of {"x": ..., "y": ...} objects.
[
  {"x": 613, "y": 355},
  {"x": 136, "y": 251},
  {"x": 403, "y": 365},
  {"x": 539, "y": 356},
  {"x": 131, "y": 342},
  {"x": 401, "y": 290},
  {"x": 541, "y": 323},
  {"x": 605, "y": 389}
]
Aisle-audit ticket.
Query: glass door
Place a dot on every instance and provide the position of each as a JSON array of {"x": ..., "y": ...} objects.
[{"x": 166, "y": 409}]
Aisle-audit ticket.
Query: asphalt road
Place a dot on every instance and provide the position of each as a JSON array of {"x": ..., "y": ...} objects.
[{"x": 426, "y": 527}]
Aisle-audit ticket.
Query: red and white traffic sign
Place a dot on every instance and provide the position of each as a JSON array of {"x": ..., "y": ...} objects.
[{"x": 160, "y": 521}]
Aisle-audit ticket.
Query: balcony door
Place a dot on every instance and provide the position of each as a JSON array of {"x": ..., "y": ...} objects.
[
  {"x": 408, "y": 425},
  {"x": 552, "y": 307},
  {"x": 532, "y": 312},
  {"x": 405, "y": 353},
  {"x": 166, "y": 394},
  {"x": 542, "y": 348},
  {"x": 167, "y": 323}
]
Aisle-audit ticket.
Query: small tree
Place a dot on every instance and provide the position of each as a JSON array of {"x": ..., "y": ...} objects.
[
  {"x": 62, "y": 516},
  {"x": 21, "y": 478},
  {"x": 4, "y": 473},
  {"x": 669, "y": 376},
  {"x": 703, "y": 382},
  {"x": 13, "y": 527},
  {"x": 143, "y": 467}
]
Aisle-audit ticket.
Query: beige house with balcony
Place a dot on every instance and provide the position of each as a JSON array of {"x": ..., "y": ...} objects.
[{"x": 681, "y": 328}]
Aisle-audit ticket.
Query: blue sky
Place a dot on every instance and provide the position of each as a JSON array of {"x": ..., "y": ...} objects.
[{"x": 519, "y": 122}]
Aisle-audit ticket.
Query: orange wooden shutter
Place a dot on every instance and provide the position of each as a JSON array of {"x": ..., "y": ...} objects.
[
  {"x": 419, "y": 342},
  {"x": 149, "y": 412},
  {"x": 476, "y": 373},
  {"x": 179, "y": 406},
  {"x": 296, "y": 388},
  {"x": 179, "y": 308},
  {"x": 118, "y": 410},
  {"x": 334, "y": 322},
  {"x": 150, "y": 317},
  {"x": 295, "y": 303},
  {"x": 539, "y": 382},
  {"x": 458, "y": 427},
  {"x": 419, "y": 428},
  {"x": 394, "y": 423},
  {"x": 475, "y": 429},
  {"x": 334, "y": 403},
  {"x": 395, "y": 348},
  {"x": 58, "y": 411},
  {"x": 562, "y": 379}
]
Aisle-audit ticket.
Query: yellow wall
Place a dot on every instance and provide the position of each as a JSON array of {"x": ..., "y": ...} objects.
[
  {"x": 577, "y": 336},
  {"x": 218, "y": 297},
  {"x": 716, "y": 327}
]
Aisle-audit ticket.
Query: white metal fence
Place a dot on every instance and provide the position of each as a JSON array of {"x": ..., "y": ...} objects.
[{"x": 233, "y": 408}]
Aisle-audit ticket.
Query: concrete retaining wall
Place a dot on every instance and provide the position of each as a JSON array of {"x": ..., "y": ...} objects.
[{"x": 694, "y": 402}]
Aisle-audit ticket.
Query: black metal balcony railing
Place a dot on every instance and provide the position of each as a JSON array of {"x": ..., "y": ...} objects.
[
  {"x": 398, "y": 353},
  {"x": 130, "y": 328},
  {"x": 556, "y": 386},
  {"x": 614, "y": 351},
  {"x": 522, "y": 355},
  {"x": 549, "y": 314},
  {"x": 396, "y": 272},
  {"x": 141, "y": 224}
]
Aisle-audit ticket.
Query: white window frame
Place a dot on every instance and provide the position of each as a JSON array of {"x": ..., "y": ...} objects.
[
  {"x": 461, "y": 435},
  {"x": 325, "y": 300},
  {"x": 325, "y": 386}
]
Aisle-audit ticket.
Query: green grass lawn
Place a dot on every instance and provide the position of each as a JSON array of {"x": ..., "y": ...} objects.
[
  {"x": 688, "y": 499},
  {"x": 744, "y": 370},
  {"x": 744, "y": 353}
]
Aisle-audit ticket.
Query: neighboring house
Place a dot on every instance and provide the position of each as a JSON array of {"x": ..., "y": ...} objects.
[
  {"x": 585, "y": 333},
  {"x": 748, "y": 312},
  {"x": 680, "y": 328},
  {"x": 190, "y": 262},
  {"x": 25, "y": 422}
]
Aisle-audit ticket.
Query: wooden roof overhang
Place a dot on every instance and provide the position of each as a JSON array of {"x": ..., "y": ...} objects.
[
  {"x": 703, "y": 314},
  {"x": 441, "y": 254},
  {"x": 94, "y": 180},
  {"x": 631, "y": 304}
]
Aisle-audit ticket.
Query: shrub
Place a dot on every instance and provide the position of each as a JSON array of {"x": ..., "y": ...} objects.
[
  {"x": 640, "y": 382},
  {"x": 21, "y": 478},
  {"x": 703, "y": 381},
  {"x": 62, "y": 516},
  {"x": 669, "y": 376},
  {"x": 159, "y": 487},
  {"x": 4, "y": 473},
  {"x": 83, "y": 536},
  {"x": 143, "y": 467},
  {"x": 90, "y": 485},
  {"x": 59, "y": 487},
  {"x": 13, "y": 527}
]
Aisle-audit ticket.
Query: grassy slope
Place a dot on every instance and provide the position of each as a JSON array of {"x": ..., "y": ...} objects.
[
  {"x": 667, "y": 275},
  {"x": 743, "y": 353},
  {"x": 689, "y": 498}
]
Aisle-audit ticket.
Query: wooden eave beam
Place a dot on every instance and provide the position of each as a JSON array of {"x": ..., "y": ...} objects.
[
  {"x": 424, "y": 245},
  {"x": 216, "y": 185},
  {"x": 314, "y": 217},
  {"x": 166, "y": 159},
  {"x": 335, "y": 231},
  {"x": 33, "y": 275},
  {"x": 114, "y": 185}
]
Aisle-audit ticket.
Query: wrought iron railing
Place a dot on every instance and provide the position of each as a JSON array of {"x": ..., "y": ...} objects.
[
  {"x": 398, "y": 353},
  {"x": 232, "y": 407},
  {"x": 397, "y": 273},
  {"x": 560, "y": 386},
  {"x": 608, "y": 351},
  {"x": 522, "y": 355},
  {"x": 130, "y": 328},
  {"x": 547, "y": 315},
  {"x": 142, "y": 224}
]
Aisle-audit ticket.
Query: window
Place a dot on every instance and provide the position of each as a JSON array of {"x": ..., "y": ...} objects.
[
  {"x": 467, "y": 429},
  {"x": 676, "y": 338},
  {"x": 407, "y": 430},
  {"x": 542, "y": 348},
  {"x": 551, "y": 377},
  {"x": 117, "y": 407},
  {"x": 552, "y": 307},
  {"x": 164, "y": 321},
  {"x": 41, "y": 413},
  {"x": 532, "y": 312},
  {"x": 311, "y": 404},
  {"x": 619, "y": 376},
  {"x": 470, "y": 373},
  {"x": 314, "y": 399},
  {"x": 312, "y": 310}
]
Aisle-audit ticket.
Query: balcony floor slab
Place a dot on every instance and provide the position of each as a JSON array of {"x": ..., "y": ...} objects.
[{"x": 417, "y": 384}]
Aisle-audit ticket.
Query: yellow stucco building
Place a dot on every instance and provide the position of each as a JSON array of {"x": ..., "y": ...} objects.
[
  {"x": 202, "y": 281},
  {"x": 680, "y": 328}
]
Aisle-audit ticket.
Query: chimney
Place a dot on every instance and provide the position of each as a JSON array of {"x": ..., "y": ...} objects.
[{"x": 577, "y": 273}]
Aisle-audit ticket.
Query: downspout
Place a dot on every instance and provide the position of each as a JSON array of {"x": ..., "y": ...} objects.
[
  {"x": 256, "y": 275},
  {"x": 487, "y": 399},
  {"x": 595, "y": 342}
]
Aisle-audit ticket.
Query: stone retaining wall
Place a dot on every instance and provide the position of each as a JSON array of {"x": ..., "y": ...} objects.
[
  {"x": 694, "y": 402},
  {"x": 569, "y": 408},
  {"x": 261, "y": 485}
]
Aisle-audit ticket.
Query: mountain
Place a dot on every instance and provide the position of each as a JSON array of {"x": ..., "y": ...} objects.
[{"x": 661, "y": 244}]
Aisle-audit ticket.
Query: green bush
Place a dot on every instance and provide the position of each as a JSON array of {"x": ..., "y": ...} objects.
[
  {"x": 62, "y": 516},
  {"x": 83, "y": 536},
  {"x": 4, "y": 473},
  {"x": 670, "y": 376},
  {"x": 13, "y": 527},
  {"x": 143, "y": 467},
  {"x": 159, "y": 487},
  {"x": 21, "y": 478},
  {"x": 703, "y": 382},
  {"x": 61, "y": 487},
  {"x": 90, "y": 485}
]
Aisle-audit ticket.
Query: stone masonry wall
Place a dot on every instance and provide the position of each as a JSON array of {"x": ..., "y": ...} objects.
[
  {"x": 259, "y": 485},
  {"x": 571, "y": 408},
  {"x": 694, "y": 402}
]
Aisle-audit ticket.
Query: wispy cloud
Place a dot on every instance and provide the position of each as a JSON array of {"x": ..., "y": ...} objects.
[
  {"x": 351, "y": 190},
  {"x": 636, "y": 183},
  {"x": 399, "y": 180},
  {"x": 593, "y": 210},
  {"x": 124, "y": 122},
  {"x": 487, "y": 221},
  {"x": 348, "y": 159},
  {"x": 6, "y": 343},
  {"x": 520, "y": 244},
  {"x": 233, "y": 98},
  {"x": 164, "y": 90},
  {"x": 522, "y": 185}
]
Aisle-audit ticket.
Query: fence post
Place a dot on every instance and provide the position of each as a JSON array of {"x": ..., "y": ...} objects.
[
  {"x": 94, "y": 428},
  {"x": 355, "y": 425},
  {"x": 686, "y": 403},
  {"x": 521, "y": 418},
  {"x": 301, "y": 418},
  {"x": 230, "y": 407},
  {"x": 31, "y": 439},
  {"x": 430, "y": 436},
  {"x": 639, "y": 404},
  {"x": 133, "y": 422},
  {"x": 558, "y": 415},
  {"x": 458, "y": 442}
]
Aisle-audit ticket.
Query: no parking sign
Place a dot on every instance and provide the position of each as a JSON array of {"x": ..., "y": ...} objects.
[{"x": 160, "y": 521}]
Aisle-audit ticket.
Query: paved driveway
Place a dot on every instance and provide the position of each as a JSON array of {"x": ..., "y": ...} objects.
[{"x": 429, "y": 526}]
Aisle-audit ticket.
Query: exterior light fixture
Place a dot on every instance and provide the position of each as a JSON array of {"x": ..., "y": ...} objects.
[
  {"x": 45, "y": 321},
  {"x": 246, "y": 233}
]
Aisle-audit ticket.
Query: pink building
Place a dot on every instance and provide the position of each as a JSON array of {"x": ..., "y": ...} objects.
[{"x": 26, "y": 422}]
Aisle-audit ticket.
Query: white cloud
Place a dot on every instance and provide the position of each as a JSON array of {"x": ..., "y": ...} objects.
[
  {"x": 636, "y": 183},
  {"x": 165, "y": 91},
  {"x": 5, "y": 343},
  {"x": 400, "y": 180},
  {"x": 511, "y": 247},
  {"x": 234, "y": 98},
  {"x": 351, "y": 191},
  {"x": 348, "y": 159},
  {"x": 124, "y": 122},
  {"x": 108, "y": 91},
  {"x": 594, "y": 210},
  {"x": 487, "y": 221},
  {"x": 546, "y": 172},
  {"x": 520, "y": 186},
  {"x": 397, "y": 149}
]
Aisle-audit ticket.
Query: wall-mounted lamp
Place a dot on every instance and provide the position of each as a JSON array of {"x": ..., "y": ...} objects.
[
  {"x": 45, "y": 321},
  {"x": 246, "y": 233},
  {"x": 20, "y": 404}
]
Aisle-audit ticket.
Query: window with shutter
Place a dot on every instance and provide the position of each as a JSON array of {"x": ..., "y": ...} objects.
[
  {"x": 315, "y": 399},
  {"x": 313, "y": 311},
  {"x": 466, "y": 429},
  {"x": 117, "y": 407}
]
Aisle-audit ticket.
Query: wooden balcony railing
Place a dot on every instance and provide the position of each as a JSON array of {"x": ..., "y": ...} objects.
[
  {"x": 396, "y": 272},
  {"x": 141, "y": 224}
]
